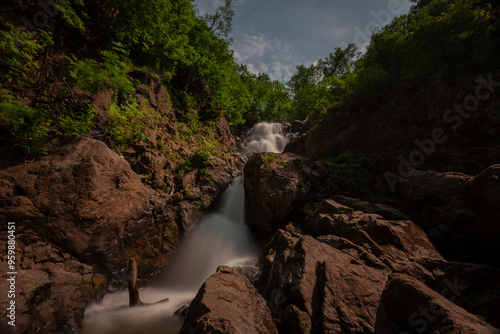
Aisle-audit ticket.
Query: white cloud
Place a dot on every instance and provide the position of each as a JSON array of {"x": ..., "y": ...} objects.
[
  {"x": 251, "y": 46},
  {"x": 265, "y": 54}
]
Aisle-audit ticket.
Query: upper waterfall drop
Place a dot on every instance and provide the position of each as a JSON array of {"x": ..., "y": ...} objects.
[{"x": 266, "y": 137}]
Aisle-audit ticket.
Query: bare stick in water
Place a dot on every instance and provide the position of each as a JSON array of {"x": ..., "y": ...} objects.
[{"x": 133, "y": 291}]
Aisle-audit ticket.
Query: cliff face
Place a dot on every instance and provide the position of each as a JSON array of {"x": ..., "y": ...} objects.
[
  {"x": 83, "y": 210},
  {"x": 353, "y": 266}
]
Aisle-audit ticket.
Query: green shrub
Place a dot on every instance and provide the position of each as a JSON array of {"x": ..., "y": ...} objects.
[
  {"x": 348, "y": 170},
  {"x": 78, "y": 123},
  {"x": 129, "y": 121},
  {"x": 27, "y": 124},
  {"x": 18, "y": 52},
  {"x": 93, "y": 76},
  {"x": 201, "y": 159}
]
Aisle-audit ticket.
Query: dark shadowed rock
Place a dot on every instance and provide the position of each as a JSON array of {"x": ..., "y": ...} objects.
[
  {"x": 474, "y": 287},
  {"x": 418, "y": 309},
  {"x": 483, "y": 193},
  {"x": 386, "y": 211},
  {"x": 276, "y": 185},
  {"x": 458, "y": 212},
  {"x": 228, "y": 304}
]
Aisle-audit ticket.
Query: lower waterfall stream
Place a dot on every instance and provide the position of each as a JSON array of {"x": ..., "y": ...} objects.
[{"x": 220, "y": 238}]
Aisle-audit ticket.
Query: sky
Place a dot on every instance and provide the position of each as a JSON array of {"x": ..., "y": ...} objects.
[{"x": 275, "y": 36}]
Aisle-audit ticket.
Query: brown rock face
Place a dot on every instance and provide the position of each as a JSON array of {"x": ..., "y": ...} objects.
[
  {"x": 228, "y": 304},
  {"x": 423, "y": 310},
  {"x": 275, "y": 185},
  {"x": 458, "y": 212},
  {"x": 335, "y": 279},
  {"x": 85, "y": 201},
  {"x": 400, "y": 245},
  {"x": 330, "y": 291}
]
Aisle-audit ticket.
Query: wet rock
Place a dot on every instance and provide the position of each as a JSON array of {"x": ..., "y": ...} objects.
[
  {"x": 182, "y": 311},
  {"x": 417, "y": 308},
  {"x": 276, "y": 185},
  {"x": 227, "y": 303}
]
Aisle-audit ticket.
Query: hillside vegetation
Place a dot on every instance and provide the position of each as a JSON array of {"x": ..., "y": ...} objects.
[{"x": 55, "y": 57}]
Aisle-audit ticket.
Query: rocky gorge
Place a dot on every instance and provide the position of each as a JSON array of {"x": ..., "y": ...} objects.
[
  {"x": 343, "y": 265},
  {"x": 361, "y": 196}
]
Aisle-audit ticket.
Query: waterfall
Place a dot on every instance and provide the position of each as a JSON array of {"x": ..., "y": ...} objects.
[
  {"x": 266, "y": 137},
  {"x": 220, "y": 238}
]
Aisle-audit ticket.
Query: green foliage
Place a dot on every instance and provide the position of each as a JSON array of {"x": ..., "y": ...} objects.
[
  {"x": 94, "y": 76},
  {"x": 200, "y": 159},
  {"x": 270, "y": 100},
  {"x": 129, "y": 121},
  {"x": 347, "y": 173},
  {"x": 436, "y": 38},
  {"x": 18, "y": 52},
  {"x": 307, "y": 209},
  {"x": 270, "y": 157},
  {"x": 367, "y": 248},
  {"x": 27, "y": 124},
  {"x": 69, "y": 13},
  {"x": 78, "y": 123},
  {"x": 445, "y": 37},
  {"x": 319, "y": 87},
  {"x": 220, "y": 23}
]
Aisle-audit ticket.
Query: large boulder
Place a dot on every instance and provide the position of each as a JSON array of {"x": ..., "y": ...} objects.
[
  {"x": 317, "y": 286},
  {"x": 84, "y": 201},
  {"x": 332, "y": 279},
  {"x": 228, "y": 304},
  {"x": 52, "y": 289},
  {"x": 276, "y": 185},
  {"x": 458, "y": 212},
  {"x": 416, "y": 308},
  {"x": 399, "y": 244}
]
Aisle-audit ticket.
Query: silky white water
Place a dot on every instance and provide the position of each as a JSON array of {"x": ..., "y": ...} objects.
[
  {"x": 220, "y": 238},
  {"x": 266, "y": 137}
]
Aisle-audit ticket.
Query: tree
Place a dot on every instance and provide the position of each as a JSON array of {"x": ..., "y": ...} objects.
[{"x": 221, "y": 21}]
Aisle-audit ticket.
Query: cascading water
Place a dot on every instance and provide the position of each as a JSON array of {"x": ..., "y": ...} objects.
[
  {"x": 220, "y": 238},
  {"x": 266, "y": 137}
]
